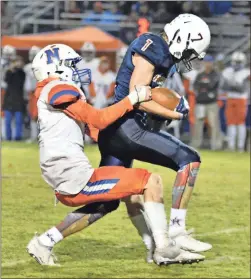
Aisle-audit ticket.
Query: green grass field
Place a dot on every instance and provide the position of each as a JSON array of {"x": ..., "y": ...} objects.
[{"x": 111, "y": 248}]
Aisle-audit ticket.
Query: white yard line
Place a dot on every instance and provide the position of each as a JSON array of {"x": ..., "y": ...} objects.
[
  {"x": 221, "y": 259},
  {"x": 14, "y": 263},
  {"x": 225, "y": 231}
]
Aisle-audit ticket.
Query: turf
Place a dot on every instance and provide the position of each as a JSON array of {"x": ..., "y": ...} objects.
[{"x": 111, "y": 248}]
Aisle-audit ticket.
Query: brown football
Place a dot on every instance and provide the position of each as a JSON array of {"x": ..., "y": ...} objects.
[{"x": 166, "y": 97}]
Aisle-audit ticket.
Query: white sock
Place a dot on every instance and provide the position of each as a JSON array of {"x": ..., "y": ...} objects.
[
  {"x": 231, "y": 135},
  {"x": 140, "y": 224},
  {"x": 177, "y": 219},
  {"x": 156, "y": 215},
  {"x": 241, "y": 136},
  {"x": 50, "y": 237}
]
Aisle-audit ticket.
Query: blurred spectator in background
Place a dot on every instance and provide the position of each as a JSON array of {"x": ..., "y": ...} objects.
[
  {"x": 73, "y": 7},
  {"x": 144, "y": 11},
  {"x": 97, "y": 11},
  {"x": 14, "y": 103},
  {"x": 128, "y": 34},
  {"x": 219, "y": 7},
  {"x": 199, "y": 8},
  {"x": 162, "y": 14},
  {"x": 145, "y": 18},
  {"x": 120, "y": 54},
  {"x": 237, "y": 86},
  {"x": 125, "y": 6},
  {"x": 29, "y": 89},
  {"x": 206, "y": 88},
  {"x": 103, "y": 83},
  {"x": 111, "y": 16},
  {"x": 8, "y": 55},
  {"x": 88, "y": 52}
]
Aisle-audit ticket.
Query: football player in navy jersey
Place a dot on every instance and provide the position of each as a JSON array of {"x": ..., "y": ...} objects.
[{"x": 149, "y": 60}]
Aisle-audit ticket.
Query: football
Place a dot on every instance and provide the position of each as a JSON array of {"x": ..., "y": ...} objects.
[{"x": 166, "y": 97}]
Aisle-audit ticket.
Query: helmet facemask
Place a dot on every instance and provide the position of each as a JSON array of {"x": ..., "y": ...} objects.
[
  {"x": 80, "y": 74},
  {"x": 183, "y": 59}
]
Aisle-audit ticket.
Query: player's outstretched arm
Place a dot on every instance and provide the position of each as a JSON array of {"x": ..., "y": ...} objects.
[
  {"x": 101, "y": 118},
  {"x": 142, "y": 75}
]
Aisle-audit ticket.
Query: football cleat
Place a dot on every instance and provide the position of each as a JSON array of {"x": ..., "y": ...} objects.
[
  {"x": 166, "y": 255},
  {"x": 184, "y": 257},
  {"x": 186, "y": 242},
  {"x": 41, "y": 253}
]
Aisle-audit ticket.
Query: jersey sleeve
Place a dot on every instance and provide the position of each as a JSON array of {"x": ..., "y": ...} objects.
[
  {"x": 152, "y": 48},
  {"x": 98, "y": 118},
  {"x": 63, "y": 94}
]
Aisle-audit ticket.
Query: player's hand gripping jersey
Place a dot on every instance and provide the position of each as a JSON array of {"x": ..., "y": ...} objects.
[{"x": 63, "y": 116}]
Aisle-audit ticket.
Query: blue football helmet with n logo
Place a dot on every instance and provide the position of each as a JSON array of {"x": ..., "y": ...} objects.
[{"x": 61, "y": 61}]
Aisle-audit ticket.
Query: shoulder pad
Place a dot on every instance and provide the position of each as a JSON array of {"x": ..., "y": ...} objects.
[
  {"x": 152, "y": 47},
  {"x": 63, "y": 93}
]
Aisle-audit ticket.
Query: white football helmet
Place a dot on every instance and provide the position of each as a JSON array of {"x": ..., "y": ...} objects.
[
  {"x": 238, "y": 60},
  {"x": 9, "y": 52},
  {"x": 88, "y": 51},
  {"x": 120, "y": 56},
  {"x": 61, "y": 61},
  {"x": 33, "y": 52},
  {"x": 188, "y": 38}
]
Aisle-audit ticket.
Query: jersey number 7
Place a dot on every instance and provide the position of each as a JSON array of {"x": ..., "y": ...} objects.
[{"x": 147, "y": 44}]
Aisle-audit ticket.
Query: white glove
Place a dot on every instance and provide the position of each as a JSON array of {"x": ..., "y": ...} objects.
[{"x": 141, "y": 93}]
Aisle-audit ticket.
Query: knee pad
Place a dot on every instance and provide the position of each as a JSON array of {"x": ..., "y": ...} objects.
[{"x": 99, "y": 207}]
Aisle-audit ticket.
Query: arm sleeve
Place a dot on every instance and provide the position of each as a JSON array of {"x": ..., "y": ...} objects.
[
  {"x": 62, "y": 94},
  {"x": 99, "y": 119}
]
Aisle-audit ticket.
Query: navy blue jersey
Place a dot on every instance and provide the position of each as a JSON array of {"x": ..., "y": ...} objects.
[{"x": 155, "y": 50}]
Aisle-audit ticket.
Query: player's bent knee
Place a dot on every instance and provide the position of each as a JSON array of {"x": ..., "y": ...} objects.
[
  {"x": 193, "y": 156},
  {"x": 155, "y": 183},
  {"x": 134, "y": 205},
  {"x": 100, "y": 207}
]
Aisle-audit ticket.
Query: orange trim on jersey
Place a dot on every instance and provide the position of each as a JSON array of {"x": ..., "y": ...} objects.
[{"x": 63, "y": 93}]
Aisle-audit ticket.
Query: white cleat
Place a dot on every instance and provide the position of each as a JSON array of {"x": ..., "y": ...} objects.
[
  {"x": 166, "y": 255},
  {"x": 186, "y": 257},
  {"x": 162, "y": 257},
  {"x": 42, "y": 254},
  {"x": 186, "y": 242}
]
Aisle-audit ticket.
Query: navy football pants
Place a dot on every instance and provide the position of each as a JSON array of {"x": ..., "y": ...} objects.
[{"x": 122, "y": 142}]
